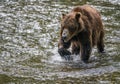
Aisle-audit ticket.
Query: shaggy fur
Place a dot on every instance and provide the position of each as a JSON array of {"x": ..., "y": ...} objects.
[{"x": 82, "y": 29}]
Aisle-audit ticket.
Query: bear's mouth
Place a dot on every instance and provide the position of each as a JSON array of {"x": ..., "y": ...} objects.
[
  {"x": 70, "y": 37},
  {"x": 65, "y": 39}
]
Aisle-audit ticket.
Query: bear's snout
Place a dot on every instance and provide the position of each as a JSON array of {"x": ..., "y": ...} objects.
[
  {"x": 64, "y": 37},
  {"x": 65, "y": 34}
]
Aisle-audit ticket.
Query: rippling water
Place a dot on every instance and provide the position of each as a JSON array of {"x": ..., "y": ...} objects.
[{"x": 28, "y": 44}]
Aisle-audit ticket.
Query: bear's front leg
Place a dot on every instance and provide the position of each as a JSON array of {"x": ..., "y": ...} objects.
[
  {"x": 86, "y": 51},
  {"x": 64, "y": 53},
  {"x": 62, "y": 49}
]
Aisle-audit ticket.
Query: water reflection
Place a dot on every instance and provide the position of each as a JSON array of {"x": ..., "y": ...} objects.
[{"x": 28, "y": 46}]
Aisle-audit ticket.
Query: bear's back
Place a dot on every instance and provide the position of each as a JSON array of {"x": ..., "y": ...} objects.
[
  {"x": 87, "y": 11},
  {"x": 89, "y": 14}
]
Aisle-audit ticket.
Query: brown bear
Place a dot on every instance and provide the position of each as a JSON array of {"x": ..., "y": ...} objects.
[{"x": 81, "y": 29}]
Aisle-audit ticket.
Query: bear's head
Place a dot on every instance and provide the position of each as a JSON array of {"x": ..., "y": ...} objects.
[{"x": 71, "y": 25}]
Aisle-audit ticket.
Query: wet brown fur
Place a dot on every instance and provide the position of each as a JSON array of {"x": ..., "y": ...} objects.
[{"x": 89, "y": 33}]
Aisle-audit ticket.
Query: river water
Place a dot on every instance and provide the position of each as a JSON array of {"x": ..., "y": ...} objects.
[{"x": 29, "y": 32}]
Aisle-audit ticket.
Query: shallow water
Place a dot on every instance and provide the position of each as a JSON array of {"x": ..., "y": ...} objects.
[{"x": 28, "y": 46}]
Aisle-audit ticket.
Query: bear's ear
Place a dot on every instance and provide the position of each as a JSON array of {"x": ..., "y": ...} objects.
[
  {"x": 63, "y": 16},
  {"x": 77, "y": 16}
]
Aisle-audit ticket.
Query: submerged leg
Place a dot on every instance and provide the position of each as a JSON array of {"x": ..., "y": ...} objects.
[
  {"x": 64, "y": 53},
  {"x": 62, "y": 50},
  {"x": 100, "y": 43},
  {"x": 86, "y": 51}
]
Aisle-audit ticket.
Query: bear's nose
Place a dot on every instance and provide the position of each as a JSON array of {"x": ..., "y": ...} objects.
[
  {"x": 64, "y": 34},
  {"x": 64, "y": 37}
]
